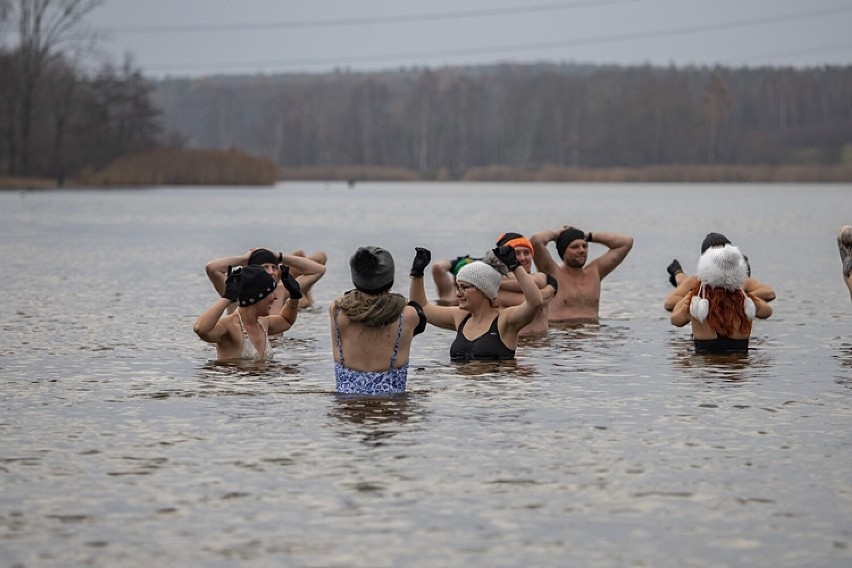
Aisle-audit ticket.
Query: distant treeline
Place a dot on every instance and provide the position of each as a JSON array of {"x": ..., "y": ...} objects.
[
  {"x": 466, "y": 123},
  {"x": 182, "y": 167}
]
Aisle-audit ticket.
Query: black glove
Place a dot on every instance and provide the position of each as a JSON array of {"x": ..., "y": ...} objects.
[
  {"x": 290, "y": 283},
  {"x": 422, "y": 258},
  {"x": 233, "y": 283},
  {"x": 507, "y": 256},
  {"x": 552, "y": 282},
  {"x": 672, "y": 269}
]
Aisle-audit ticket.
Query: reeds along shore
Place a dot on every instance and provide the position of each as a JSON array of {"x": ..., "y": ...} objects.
[{"x": 216, "y": 167}]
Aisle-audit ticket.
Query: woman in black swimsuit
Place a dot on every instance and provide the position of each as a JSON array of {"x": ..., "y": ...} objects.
[{"x": 484, "y": 329}]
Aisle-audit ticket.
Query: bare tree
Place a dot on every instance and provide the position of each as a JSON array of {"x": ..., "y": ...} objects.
[{"x": 45, "y": 30}]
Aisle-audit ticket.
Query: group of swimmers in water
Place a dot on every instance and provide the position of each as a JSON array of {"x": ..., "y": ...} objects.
[{"x": 489, "y": 302}]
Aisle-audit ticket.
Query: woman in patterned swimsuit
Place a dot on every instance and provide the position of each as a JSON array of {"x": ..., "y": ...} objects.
[
  {"x": 244, "y": 334},
  {"x": 484, "y": 329},
  {"x": 372, "y": 328}
]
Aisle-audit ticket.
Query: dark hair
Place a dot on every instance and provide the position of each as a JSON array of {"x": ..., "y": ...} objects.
[{"x": 713, "y": 240}]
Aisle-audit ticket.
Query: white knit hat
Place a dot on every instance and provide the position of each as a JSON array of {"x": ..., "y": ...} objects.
[
  {"x": 722, "y": 267},
  {"x": 485, "y": 278}
]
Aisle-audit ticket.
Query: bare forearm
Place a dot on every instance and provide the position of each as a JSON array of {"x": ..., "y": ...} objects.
[
  {"x": 417, "y": 291},
  {"x": 217, "y": 269},
  {"x": 287, "y": 317},
  {"x": 532, "y": 293},
  {"x": 611, "y": 239},
  {"x": 210, "y": 317},
  {"x": 305, "y": 266}
]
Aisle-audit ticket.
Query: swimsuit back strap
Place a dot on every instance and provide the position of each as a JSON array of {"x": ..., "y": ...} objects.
[
  {"x": 396, "y": 345},
  {"x": 337, "y": 335}
]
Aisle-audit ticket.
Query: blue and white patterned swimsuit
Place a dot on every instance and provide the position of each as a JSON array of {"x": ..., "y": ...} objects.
[{"x": 350, "y": 381}]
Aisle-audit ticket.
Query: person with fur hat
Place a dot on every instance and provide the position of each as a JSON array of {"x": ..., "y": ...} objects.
[
  {"x": 579, "y": 281},
  {"x": 510, "y": 293},
  {"x": 844, "y": 245},
  {"x": 372, "y": 328},
  {"x": 484, "y": 329},
  {"x": 684, "y": 283},
  {"x": 720, "y": 310},
  {"x": 244, "y": 333},
  {"x": 307, "y": 270}
]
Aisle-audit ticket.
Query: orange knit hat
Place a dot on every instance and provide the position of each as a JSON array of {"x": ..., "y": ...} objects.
[{"x": 515, "y": 240}]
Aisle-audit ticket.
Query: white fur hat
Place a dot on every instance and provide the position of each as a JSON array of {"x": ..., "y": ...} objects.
[
  {"x": 483, "y": 276},
  {"x": 722, "y": 267}
]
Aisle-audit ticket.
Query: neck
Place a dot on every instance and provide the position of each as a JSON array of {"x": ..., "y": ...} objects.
[{"x": 248, "y": 314}]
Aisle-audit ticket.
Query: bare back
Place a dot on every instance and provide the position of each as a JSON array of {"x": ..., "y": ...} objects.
[{"x": 367, "y": 348}]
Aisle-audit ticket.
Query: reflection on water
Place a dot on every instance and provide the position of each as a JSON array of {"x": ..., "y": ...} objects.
[
  {"x": 376, "y": 418},
  {"x": 607, "y": 443}
]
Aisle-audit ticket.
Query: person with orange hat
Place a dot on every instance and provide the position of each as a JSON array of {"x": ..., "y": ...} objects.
[
  {"x": 510, "y": 293},
  {"x": 579, "y": 293}
]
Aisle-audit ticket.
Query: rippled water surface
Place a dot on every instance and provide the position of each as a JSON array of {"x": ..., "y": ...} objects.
[{"x": 602, "y": 445}]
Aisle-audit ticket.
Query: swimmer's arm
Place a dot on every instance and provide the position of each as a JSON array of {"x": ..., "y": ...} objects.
[
  {"x": 440, "y": 316},
  {"x": 678, "y": 293},
  {"x": 217, "y": 269},
  {"x": 208, "y": 326},
  {"x": 759, "y": 290},
  {"x": 309, "y": 270},
  {"x": 680, "y": 314},
  {"x": 618, "y": 244},
  {"x": 284, "y": 320},
  {"x": 542, "y": 259},
  {"x": 443, "y": 278},
  {"x": 762, "y": 309},
  {"x": 540, "y": 279},
  {"x": 522, "y": 314}
]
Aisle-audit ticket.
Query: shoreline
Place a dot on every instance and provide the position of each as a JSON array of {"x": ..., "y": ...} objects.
[{"x": 494, "y": 174}]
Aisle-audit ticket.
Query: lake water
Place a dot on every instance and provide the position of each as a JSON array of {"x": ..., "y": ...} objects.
[{"x": 602, "y": 445}]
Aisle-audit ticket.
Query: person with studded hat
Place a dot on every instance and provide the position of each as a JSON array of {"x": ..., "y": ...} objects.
[
  {"x": 243, "y": 335},
  {"x": 484, "y": 329},
  {"x": 579, "y": 280},
  {"x": 683, "y": 282}
]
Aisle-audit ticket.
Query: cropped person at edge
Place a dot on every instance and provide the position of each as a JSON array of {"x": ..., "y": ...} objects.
[
  {"x": 844, "y": 245},
  {"x": 579, "y": 293},
  {"x": 372, "y": 328},
  {"x": 484, "y": 329}
]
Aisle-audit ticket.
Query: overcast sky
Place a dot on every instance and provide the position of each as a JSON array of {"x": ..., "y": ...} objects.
[{"x": 204, "y": 37}]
